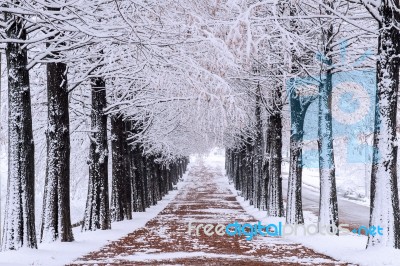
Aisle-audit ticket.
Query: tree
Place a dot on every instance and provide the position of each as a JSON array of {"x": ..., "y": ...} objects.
[
  {"x": 328, "y": 208},
  {"x": 384, "y": 209},
  {"x": 97, "y": 212},
  {"x": 121, "y": 194},
  {"x": 19, "y": 226},
  {"x": 298, "y": 109},
  {"x": 56, "y": 221},
  {"x": 258, "y": 154},
  {"x": 294, "y": 209},
  {"x": 274, "y": 194}
]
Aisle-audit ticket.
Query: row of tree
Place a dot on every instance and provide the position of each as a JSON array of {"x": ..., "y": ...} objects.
[
  {"x": 59, "y": 34},
  {"x": 183, "y": 76},
  {"x": 299, "y": 48},
  {"x": 138, "y": 180}
]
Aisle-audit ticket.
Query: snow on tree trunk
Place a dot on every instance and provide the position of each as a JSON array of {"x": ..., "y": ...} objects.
[
  {"x": 298, "y": 108},
  {"x": 97, "y": 212},
  {"x": 133, "y": 169},
  {"x": 152, "y": 172},
  {"x": 265, "y": 169},
  {"x": 228, "y": 164},
  {"x": 146, "y": 181},
  {"x": 239, "y": 169},
  {"x": 274, "y": 194},
  {"x": 294, "y": 208},
  {"x": 56, "y": 220},
  {"x": 258, "y": 152},
  {"x": 328, "y": 208},
  {"x": 19, "y": 223},
  {"x": 137, "y": 168},
  {"x": 121, "y": 193},
  {"x": 384, "y": 190},
  {"x": 161, "y": 182},
  {"x": 134, "y": 186},
  {"x": 130, "y": 168},
  {"x": 249, "y": 171}
]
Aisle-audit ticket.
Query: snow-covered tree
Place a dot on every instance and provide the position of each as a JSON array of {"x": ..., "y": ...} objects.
[
  {"x": 384, "y": 189},
  {"x": 19, "y": 226}
]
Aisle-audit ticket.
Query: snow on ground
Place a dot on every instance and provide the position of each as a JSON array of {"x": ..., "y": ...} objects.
[
  {"x": 58, "y": 253},
  {"x": 350, "y": 183},
  {"x": 166, "y": 239},
  {"x": 349, "y": 248}
]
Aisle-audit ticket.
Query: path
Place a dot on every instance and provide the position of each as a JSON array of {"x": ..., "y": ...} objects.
[{"x": 204, "y": 198}]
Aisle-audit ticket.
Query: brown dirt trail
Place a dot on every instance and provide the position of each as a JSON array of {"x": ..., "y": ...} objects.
[{"x": 204, "y": 198}]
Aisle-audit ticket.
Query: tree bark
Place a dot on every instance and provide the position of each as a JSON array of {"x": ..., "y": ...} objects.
[
  {"x": 384, "y": 209},
  {"x": 249, "y": 172},
  {"x": 294, "y": 208},
  {"x": 328, "y": 208},
  {"x": 298, "y": 109},
  {"x": 258, "y": 152},
  {"x": 138, "y": 173},
  {"x": 56, "y": 219},
  {"x": 121, "y": 192},
  {"x": 97, "y": 213},
  {"x": 274, "y": 194},
  {"x": 19, "y": 226}
]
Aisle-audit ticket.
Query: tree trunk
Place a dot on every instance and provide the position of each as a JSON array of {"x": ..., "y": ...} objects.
[
  {"x": 130, "y": 168},
  {"x": 134, "y": 186},
  {"x": 237, "y": 168},
  {"x": 249, "y": 172},
  {"x": 294, "y": 208},
  {"x": 97, "y": 213},
  {"x": 328, "y": 208},
  {"x": 265, "y": 167},
  {"x": 146, "y": 181},
  {"x": 384, "y": 209},
  {"x": 242, "y": 170},
  {"x": 274, "y": 194},
  {"x": 265, "y": 170},
  {"x": 121, "y": 193},
  {"x": 139, "y": 182},
  {"x": 258, "y": 152},
  {"x": 19, "y": 226},
  {"x": 56, "y": 220},
  {"x": 298, "y": 109}
]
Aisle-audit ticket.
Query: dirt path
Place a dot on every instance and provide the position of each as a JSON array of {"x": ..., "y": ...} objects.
[{"x": 205, "y": 199}]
